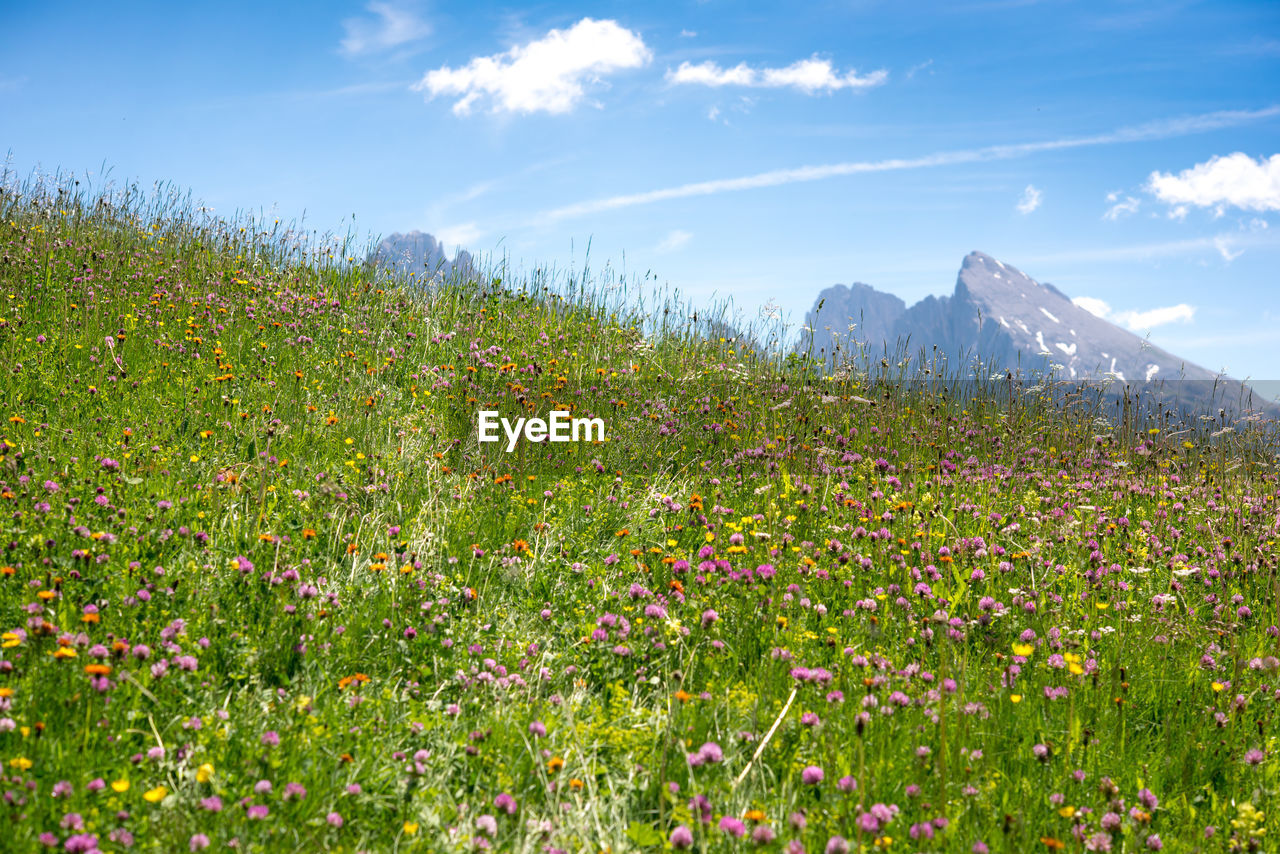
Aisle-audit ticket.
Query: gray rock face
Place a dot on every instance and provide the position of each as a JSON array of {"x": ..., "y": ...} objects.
[
  {"x": 421, "y": 254},
  {"x": 1042, "y": 324},
  {"x": 856, "y": 312},
  {"x": 1009, "y": 321}
]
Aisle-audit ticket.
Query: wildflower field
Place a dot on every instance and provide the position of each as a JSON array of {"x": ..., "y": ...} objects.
[{"x": 262, "y": 590}]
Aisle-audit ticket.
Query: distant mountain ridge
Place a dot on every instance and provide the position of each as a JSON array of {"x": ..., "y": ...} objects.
[
  {"x": 1006, "y": 318},
  {"x": 420, "y": 254}
]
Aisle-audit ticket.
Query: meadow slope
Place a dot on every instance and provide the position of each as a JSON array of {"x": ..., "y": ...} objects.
[{"x": 261, "y": 586}]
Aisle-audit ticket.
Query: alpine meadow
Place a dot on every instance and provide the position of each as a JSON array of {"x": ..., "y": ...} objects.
[{"x": 263, "y": 588}]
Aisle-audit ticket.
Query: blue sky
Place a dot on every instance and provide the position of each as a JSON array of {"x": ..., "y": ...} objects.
[{"x": 1128, "y": 152}]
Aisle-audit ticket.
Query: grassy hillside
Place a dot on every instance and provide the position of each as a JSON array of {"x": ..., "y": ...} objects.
[{"x": 262, "y": 587}]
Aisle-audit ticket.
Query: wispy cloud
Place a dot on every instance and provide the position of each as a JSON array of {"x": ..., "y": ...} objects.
[
  {"x": 442, "y": 208},
  {"x": 1235, "y": 242},
  {"x": 458, "y": 236},
  {"x": 1256, "y": 47},
  {"x": 674, "y": 240},
  {"x": 917, "y": 68},
  {"x": 993, "y": 6},
  {"x": 1153, "y": 130},
  {"x": 439, "y": 208},
  {"x": 1140, "y": 16},
  {"x": 546, "y": 75},
  {"x": 475, "y": 191},
  {"x": 1224, "y": 249},
  {"x": 1029, "y": 201},
  {"x": 391, "y": 26},
  {"x": 1236, "y": 180},
  {"x": 372, "y": 87},
  {"x": 1234, "y": 338},
  {"x": 1121, "y": 207},
  {"x": 810, "y": 76}
]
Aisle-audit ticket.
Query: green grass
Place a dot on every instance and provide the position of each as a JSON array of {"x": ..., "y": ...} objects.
[{"x": 241, "y": 485}]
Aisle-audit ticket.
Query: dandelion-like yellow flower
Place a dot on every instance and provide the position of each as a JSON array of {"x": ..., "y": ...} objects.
[
  {"x": 156, "y": 795},
  {"x": 120, "y": 786},
  {"x": 204, "y": 773}
]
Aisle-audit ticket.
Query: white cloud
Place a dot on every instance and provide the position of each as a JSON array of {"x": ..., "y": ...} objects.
[
  {"x": 674, "y": 240},
  {"x": 713, "y": 113},
  {"x": 710, "y": 74},
  {"x": 808, "y": 75},
  {"x": 1093, "y": 305},
  {"x": 1236, "y": 180},
  {"x": 1137, "y": 320},
  {"x": 1030, "y": 200},
  {"x": 1152, "y": 130},
  {"x": 1141, "y": 320},
  {"x": 391, "y": 27},
  {"x": 687, "y": 34},
  {"x": 547, "y": 75},
  {"x": 460, "y": 235},
  {"x": 812, "y": 75}
]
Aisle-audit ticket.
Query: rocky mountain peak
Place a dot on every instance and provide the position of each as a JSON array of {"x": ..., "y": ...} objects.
[{"x": 998, "y": 316}]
